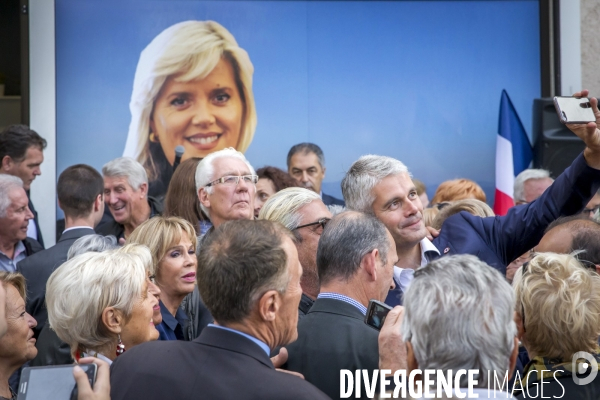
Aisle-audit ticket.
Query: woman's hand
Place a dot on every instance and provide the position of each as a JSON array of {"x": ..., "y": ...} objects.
[{"x": 101, "y": 389}]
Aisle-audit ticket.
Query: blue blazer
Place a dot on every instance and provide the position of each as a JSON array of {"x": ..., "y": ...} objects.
[
  {"x": 500, "y": 240},
  {"x": 329, "y": 200}
]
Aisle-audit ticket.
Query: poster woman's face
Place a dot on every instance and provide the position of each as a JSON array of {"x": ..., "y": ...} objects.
[{"x": 201, "y": 115}]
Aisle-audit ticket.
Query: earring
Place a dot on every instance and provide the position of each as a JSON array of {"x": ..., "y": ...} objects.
[
  {"x": 153, "y": 138},
  {"x": 120, "y": 347}
]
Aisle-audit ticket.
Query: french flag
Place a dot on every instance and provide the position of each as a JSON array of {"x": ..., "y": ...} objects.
[{"x": 513, "y": 154}]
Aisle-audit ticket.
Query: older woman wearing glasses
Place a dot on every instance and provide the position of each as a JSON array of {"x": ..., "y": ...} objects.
[{"x": 558, "y": 317}]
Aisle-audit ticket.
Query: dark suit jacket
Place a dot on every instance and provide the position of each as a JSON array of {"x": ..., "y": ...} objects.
[
  {"x": 329, "y": 200},
  {"x": 37, "y": 269},
  {"x": 331, "y": 337},
  {"x": 217, "y": 365},
  {"x": 500, "y": 240},
  {"x": 108, "y": 226},
  {"x": 37, "y": 224}
]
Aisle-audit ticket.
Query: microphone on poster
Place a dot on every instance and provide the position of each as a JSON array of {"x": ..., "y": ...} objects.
[{"x": 179, "y": 150}]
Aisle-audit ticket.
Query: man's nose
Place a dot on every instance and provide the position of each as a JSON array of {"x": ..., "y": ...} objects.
[{"x": 304, "y": 176}]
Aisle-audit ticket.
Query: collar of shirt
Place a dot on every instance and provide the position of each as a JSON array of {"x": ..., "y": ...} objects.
[
  {"x": 404, "y": 276},
  {"x": 10, "y": 264},
  {"x": 170, "y": 320},
  {"x": 95, "y": 354},
  {"x": 77, "y": 227},
  {"x": 260, "y": 343},
  {"x": 345, "y": 299}
]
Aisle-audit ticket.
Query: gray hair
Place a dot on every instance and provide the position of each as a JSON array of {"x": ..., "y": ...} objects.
[
  {"x": 206, "y": 169},
  {"x": 92, "y": 243},
  {"x": 363, "y": 176},
  {"x": 126, "y": 167},
  {"x": 524, "y": 176},
  {"x": 78, "y": 292},
  {"x": 346, "y": 239},
  {"x": 7, "y": 183},
  {"x": 336, "y": 209},
  {"x": 306, "y": 148},
  {"x": 459, "y": 315},
  {"x": 284, "y": 205}
]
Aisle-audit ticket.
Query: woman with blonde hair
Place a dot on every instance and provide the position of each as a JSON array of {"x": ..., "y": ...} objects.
[
  {"x": 100, "y": 303},
  {"x": 172, "y": 243},
  {"x": 558, "y": 316},
  {"x": 17, "y": 345},
  {"x": 192, "y": 88}
]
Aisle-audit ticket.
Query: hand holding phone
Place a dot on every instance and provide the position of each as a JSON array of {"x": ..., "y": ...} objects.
[
  {"x": 52, "y": 382},
  {"x": 574, "y": 110},
  {"x": 101, "y": 390}
]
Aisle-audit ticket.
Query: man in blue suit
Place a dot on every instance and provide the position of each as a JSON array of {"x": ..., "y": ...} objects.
[
  {"x": 306, "y": 164},
  {"x": 382, "y": 186}
]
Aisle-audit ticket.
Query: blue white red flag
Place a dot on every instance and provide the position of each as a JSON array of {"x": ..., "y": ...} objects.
[{"x": 513, "y": 154}]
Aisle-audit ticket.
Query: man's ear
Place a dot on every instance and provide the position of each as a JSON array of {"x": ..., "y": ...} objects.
[
  {"x": 144, "y": 189},
  {"x": 324, "y": 170},
  {"x": 411, "y": 361},
  {"x": 369, "y": 264},
  {"x": 203, "y": 197},
  {"x": 513, "y": 357},
  {"x": 6, "y": 164},
  {"x": 112, "y": 319},
  {"x": 98, "y": 202},
  {"x": 268, "y": 305}
]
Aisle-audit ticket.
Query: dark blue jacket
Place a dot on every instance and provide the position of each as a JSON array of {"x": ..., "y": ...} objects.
[
  {"x": 330, "y": 200},
  {"x": 500, "y": 240}
]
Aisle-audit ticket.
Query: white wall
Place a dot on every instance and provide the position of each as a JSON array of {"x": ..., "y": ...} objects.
[
  {"x": 42, "y": 75},
  {"x": 570, "y": 46}
]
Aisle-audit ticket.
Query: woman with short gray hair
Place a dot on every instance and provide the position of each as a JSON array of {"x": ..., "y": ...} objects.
[{"x": 100, "y": 304}]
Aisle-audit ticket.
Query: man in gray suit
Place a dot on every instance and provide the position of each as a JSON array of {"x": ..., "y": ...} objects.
[
  {"x": 355, "y": 258},
  {"x": 80, "y": 195}
]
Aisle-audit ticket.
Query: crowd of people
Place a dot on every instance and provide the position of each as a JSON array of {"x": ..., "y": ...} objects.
[{"x": 254, "y": 284}]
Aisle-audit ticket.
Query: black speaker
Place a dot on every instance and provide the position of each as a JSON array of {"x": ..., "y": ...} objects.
[{"x": 554, "y": 145}]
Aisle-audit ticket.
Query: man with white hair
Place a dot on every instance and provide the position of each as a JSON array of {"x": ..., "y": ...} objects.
[
  {"x": 530, "y": 184},
  {"x": 303, "y": 212},
  {"x": 14, "y": 220},
  {"x": 448, "y": 326},
  {"x": 225, "y": 183},
  {"x": 126, "y": 196},
  {"x": 382, "y": 186}
]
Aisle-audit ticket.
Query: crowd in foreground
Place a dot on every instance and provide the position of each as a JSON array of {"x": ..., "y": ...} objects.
[{"x": 229, "y": 287}]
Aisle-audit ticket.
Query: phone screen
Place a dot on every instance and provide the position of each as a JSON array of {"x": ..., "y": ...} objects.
[
  {"x": 376, "y": 314},
  {"x": 50, "y": 382}
]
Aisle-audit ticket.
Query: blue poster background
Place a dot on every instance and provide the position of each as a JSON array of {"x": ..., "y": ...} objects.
[{"x": 420, "y": 81}]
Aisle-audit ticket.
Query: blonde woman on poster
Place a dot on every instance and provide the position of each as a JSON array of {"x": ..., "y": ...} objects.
[{"x": 192, "y": 87}]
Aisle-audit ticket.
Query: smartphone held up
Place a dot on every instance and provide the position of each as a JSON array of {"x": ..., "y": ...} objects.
[{"x": 574, "y": 110}]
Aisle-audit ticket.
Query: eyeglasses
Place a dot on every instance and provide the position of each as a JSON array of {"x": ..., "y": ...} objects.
[
  {"x": 592, "y": 210},
  {"x": 233, "y": 180},
  {"x": 322, "y": 222}
]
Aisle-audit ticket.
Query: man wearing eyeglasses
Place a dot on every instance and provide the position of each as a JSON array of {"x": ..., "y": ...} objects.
[
  {"x": 225, "y": 182},
  {"x": 225, "y": 185},
  {"x": 303, "y": 212}
]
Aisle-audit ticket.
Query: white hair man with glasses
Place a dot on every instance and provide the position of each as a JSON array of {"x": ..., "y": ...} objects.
[
  {"x": 225, "y": 182},
  {"x": 303, "y": 212}
]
